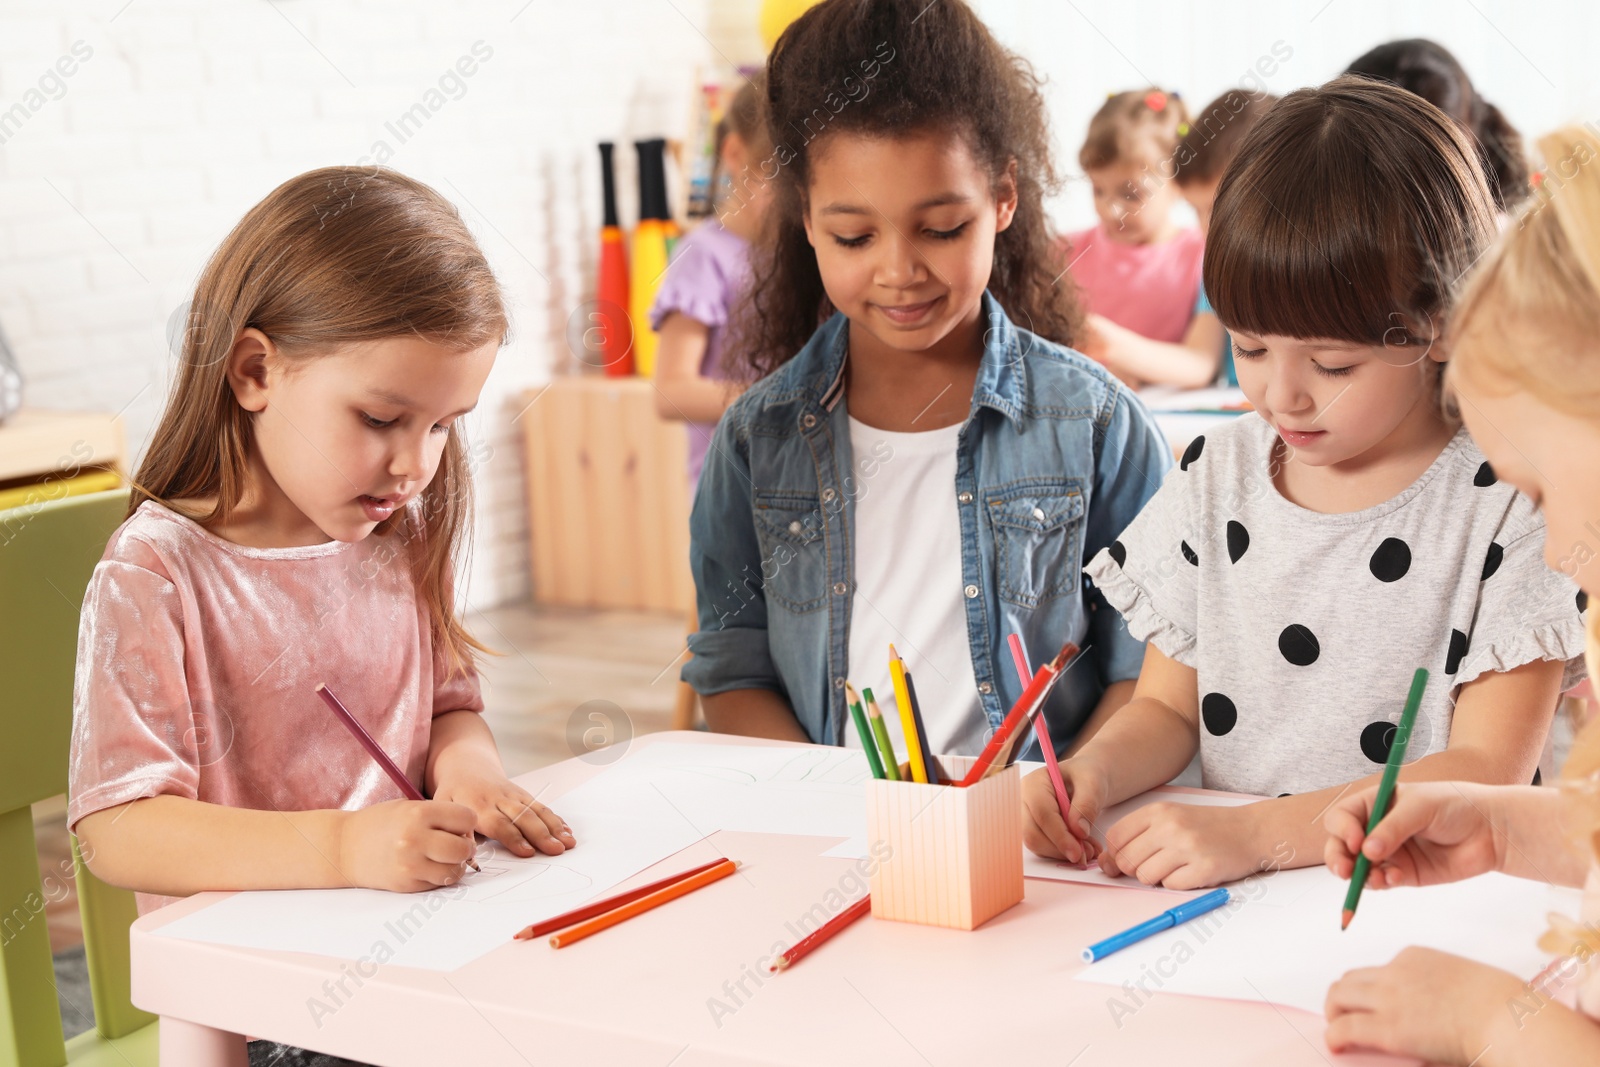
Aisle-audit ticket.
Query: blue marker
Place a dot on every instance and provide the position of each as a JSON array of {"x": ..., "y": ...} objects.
[{"x": 1190, "y": 909}]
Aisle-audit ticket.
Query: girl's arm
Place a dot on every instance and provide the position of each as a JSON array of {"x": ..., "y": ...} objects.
[
  {"x": 681, "y": 391},
  {"x": 752, "y": 713},
  {"x": 1496, "y": 736},
  {"x": 1193, "y": 364},
  {"x": 464, "y": 768},
  {"x": 1116, "y": 696},
  {"x": 1147, "y": 742},
  {"x": 176, "y": 846}
]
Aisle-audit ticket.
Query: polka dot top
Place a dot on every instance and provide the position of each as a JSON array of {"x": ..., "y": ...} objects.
[{"x": 1304, "y": 628}]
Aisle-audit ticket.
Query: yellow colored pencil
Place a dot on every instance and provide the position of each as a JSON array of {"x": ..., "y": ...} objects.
[{"x": 908, "y": 721}]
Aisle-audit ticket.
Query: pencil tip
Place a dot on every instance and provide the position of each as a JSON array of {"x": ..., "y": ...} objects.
[
  {"x": 320, "y": 687},
  {"x": 1344, "y": 920},
  {"x": 892, "y": 653}
]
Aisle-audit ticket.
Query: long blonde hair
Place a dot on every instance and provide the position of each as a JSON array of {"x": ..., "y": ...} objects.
[
  {"x": 1528, "y": 320},
  {"x": 332, "y": 257}
]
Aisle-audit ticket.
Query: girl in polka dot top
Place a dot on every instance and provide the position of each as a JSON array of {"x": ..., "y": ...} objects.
[
  {"x": 1298, "y": 566},
  {"x": 1526, "y": 375}
]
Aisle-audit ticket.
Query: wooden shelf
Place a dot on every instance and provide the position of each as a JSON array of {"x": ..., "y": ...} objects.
[{"x": 37, "y": 444}]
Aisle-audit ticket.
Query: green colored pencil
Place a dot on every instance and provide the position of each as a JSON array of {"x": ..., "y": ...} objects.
[
  {"x": 1380, "y": 806},
  {"x": 891, "y": 764},
  {"x": 868, "y": 744}
]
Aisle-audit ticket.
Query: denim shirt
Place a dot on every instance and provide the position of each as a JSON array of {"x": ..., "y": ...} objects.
[{"x": 1055, "y": 458}]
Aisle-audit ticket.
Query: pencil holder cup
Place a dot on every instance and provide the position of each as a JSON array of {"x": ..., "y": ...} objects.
[{"x": 954, "y": 855}]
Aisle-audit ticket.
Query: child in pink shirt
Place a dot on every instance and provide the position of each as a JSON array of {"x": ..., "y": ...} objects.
[
  {"x": 296, "y": 521},
  {"x": 1138, "y": 271}
]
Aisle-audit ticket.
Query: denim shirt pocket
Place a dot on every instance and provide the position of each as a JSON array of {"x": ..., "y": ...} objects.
[
  {"x": 790, "y": 527},
  {"x": 1038, "y": 532}
]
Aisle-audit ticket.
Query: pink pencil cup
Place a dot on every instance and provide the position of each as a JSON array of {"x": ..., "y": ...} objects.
[{"x": 955, "y": 855}]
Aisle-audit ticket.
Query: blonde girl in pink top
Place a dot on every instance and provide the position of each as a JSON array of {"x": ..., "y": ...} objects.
[
  {"x": 296, "y": 521},
  {"x": 1525, "y": 371},
  {"x": 1138, "y": 270}
]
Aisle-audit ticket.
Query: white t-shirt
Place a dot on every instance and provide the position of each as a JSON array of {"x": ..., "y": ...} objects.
[{"x": 909, "y": 588}]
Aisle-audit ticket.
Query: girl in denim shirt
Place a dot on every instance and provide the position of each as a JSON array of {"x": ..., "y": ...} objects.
[{"x": 930, "y": 467}]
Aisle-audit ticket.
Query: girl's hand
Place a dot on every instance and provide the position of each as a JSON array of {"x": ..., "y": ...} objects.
[
  {"x": 508, "y": 813},
  {"x": 406, "y": 846},
  {"x": 1423, "y": 1003},
  {"x": 1043, "y": 829},
  {"x": 1185, "y": 846},
  {"x": 1435, "y": 832}
]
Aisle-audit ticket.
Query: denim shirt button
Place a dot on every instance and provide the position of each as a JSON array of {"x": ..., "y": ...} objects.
[
  {"x": 1038, "y": 513},
  {"x": 840, "y": 589},
  {"x": 971, "y": 591},
  {"x": 838, "y": 683},
  {"x": 964, "y": 497},
  {"x": 985, "y": 688},
  {"x": 808, "y": 421},
  {"x": 795, "y": 527},
  {"x": 827, "y": 494}
]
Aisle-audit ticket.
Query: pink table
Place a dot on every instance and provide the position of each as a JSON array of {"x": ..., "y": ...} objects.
[{"x": 685, "y": 985}]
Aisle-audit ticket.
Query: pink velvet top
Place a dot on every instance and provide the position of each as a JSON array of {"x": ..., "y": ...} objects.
[
  {"x": 198, "y": 660},
  {"x": 1150, "y": 289}
]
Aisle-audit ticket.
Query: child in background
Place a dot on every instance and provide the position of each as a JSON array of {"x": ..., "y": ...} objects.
[
  {"x": 918, "y": 470},
  {"x": 1433, "y": 73},
  {"x": 1525, "y": 373},
  {"x": 297, "y": 520},
  {"x": 709, "y": 272},
  {"x": 1203, "y": 154},
  {"x": 1138, "y": 271},
  {"x": 1304, "y": 560}
]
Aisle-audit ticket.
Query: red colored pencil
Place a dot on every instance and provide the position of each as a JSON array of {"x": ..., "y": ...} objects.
[
  {"x": 808, "y": 944},
  {"x": 374, "y": 750},
  {"x": 682, "y": 887},
  {"x": 1051, "y": 765},
  {"x": 599, "y": 907},
  {"x": 1027, "y": 705}
]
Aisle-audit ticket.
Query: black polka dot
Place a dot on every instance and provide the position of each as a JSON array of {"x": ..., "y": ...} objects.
[
  {"x": 1485, "y": 476},
  {"x": 1192, "y": 453},
  {"x": 1188, "y": 553},
  {"x": 1282, "y": 795},
  {"x": 1238, "y": 540},
  {"x": 1491, "y": 562},
  {"x": 1538, "y": 779},
  {"x": 1219, "y": 713},
  {"x": 1119, "y": 552},
  {"x": 1583, "y": 600},
  {"x": 1458, "y": 650},
  {"x": 1391, "y": 560},
  {"x": 1299, "y": 645},
  {"x": 1376, "y": 740}
]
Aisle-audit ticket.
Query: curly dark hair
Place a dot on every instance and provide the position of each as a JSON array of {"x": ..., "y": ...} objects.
[{"x": 895, "y": 68}]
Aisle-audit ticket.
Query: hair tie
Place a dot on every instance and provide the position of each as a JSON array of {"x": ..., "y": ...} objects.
[
  {"x": 1155, "y": 100},
  {"x": 1183, "y": 129}
]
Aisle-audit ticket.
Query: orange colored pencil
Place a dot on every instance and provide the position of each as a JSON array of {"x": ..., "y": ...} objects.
[
  {"x": 643, "y": 904},
  {"x": 600, "y": 907},
  {"x": 808, "y": 944}
]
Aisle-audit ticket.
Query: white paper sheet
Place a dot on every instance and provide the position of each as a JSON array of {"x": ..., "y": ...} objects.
[
  {"x": 1279, "y": 940},
  {"x": 1036, "y": 866},
  {"x": 654, "y": 802}
]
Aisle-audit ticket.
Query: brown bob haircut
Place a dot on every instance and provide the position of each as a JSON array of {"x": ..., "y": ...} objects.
[{"x": 1350, "y": 214}]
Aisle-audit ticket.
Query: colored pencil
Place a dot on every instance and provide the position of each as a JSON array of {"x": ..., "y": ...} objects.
[
  {"x": 922, "y": 729},
  {"x": 1380, "y": 805},
  {"x": 1051, "y": 765},
  {"x": 606, "y": 920},
  {"x": 869, "y": 744},
  {"x": 908, "y": 723},
  {"x": 396, "y": 775},
  {"x": 808, "y": 944},
  {"x": 891, "y": 763},
  {"x": 600, "y": 907},
  {"x": 1003, "y": 743},
  {"x": 1189, "y": 909}
]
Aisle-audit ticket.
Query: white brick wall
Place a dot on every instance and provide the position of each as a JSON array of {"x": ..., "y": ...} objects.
[{"x": 187, "y": 113}]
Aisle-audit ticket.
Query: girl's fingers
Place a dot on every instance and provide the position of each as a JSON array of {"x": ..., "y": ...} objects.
[
  {"x": 545, "y": 830},
  {"x": 1158, "y": 868},
  {"x": 500, "y": 827}
]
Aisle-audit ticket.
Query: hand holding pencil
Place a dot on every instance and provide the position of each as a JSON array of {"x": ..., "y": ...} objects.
[{"x": 1044, "y": 831}]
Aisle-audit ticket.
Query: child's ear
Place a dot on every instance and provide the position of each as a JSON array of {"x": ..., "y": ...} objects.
[
  {"x": 248, "y": 361},
  {"x": 1005, "y": 198}
]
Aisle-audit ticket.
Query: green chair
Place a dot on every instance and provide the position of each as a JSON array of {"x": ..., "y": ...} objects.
[{"x": 47, "y": 553}]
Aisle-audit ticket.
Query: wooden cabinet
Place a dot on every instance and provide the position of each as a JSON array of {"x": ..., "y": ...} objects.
[
  {"x": 608, "y": 497},
  {"x": 45, "y": 455}
]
